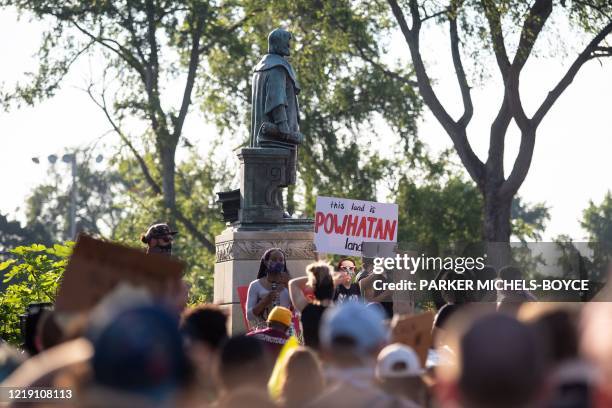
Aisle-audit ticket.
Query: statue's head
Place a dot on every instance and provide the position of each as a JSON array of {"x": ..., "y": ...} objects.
[{"x": 278, "y": 42}]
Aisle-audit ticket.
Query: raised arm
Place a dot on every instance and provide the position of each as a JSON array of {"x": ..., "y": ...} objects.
[
  {"x": 296, "y": 292},
  {"x": 367, "y": 289}
]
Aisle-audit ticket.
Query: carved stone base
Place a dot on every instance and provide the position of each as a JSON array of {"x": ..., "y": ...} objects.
[
  {"x": 263, "y": 174},
  {"x": 237, "y": 261}
]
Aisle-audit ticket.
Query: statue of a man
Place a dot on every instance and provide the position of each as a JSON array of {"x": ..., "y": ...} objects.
[{"x": 275, "y": 120}]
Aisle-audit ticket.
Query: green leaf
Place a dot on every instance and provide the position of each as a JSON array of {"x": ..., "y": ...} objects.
[{"x": 6, "y": 264}]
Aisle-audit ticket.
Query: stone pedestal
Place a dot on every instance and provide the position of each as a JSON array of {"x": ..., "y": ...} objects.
[
  {"x": 263, "y": 174},
  {"x": 238, "y": 253}
]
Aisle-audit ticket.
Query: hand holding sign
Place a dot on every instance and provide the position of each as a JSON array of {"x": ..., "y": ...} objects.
[{"x": 414, "y": 331}]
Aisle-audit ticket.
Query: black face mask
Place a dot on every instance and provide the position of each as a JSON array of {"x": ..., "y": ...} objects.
[{"x": 165, "y": 249}]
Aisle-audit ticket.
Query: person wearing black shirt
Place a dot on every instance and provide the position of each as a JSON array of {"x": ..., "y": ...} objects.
[
  {"x": 347, "y": 290},
  {"x": 371, "y": 295},
  {"x": 319, "y": 278}
]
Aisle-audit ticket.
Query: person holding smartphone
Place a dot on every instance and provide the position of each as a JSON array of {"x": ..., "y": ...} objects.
[{"x": 346, "y": 290}]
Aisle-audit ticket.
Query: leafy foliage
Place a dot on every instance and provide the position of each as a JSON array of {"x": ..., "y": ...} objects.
[
  {"x": 442, "y": 210},
  {"x": 197, "y": 181},
  {"x": 98, "y": 200},
  {"x": 597, "y": 219},
  {"x": 31, "y": 274}
]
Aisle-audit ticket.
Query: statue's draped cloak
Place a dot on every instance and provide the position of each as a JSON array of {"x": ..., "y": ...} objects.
[{"x": 274, "y": 84}]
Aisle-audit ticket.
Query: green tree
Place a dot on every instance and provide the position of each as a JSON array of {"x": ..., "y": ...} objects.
[
  {"x": 476, "y": 28},
  {"x": 113, "y": 203},
  {"x": 597, "y": 220},
  {"x": 440, "y": 210},
  {"x": 148, "y": 48},
  {"x": 197, "y": 181},
  {"x": 31, "y": 274},
  {"x": 98, "y": 203}
]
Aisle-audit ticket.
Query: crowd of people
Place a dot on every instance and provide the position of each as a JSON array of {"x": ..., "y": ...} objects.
[{"x": 323, "y": 339}]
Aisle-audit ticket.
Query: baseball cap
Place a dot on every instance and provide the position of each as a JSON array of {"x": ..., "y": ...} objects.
[
  {"x": 157, "y": 230},
  {"x": 398, "y": 361},
  {"x": 364, "y": 325},
  {"x": 280, "y": 315}
]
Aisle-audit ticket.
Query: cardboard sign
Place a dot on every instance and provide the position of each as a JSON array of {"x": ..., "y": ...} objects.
[
  {"x": 342, "y": 225},
  {"x": 96, "y": 267},
  {"x": 414, "y": 331}
]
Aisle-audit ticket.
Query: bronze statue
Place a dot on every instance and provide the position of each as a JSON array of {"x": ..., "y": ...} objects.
[{"x": 275, "y": 120}]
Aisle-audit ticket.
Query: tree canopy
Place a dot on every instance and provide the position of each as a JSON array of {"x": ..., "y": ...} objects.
[{"x": 480, "y": 27}]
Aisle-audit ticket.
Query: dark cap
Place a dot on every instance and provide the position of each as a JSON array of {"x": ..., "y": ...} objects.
[{"x": 157, "y": 231}]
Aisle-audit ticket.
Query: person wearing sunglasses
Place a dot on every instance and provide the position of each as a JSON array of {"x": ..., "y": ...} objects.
[
  {"x": 159, "y": 239},
  {"x": 346, "y": 289}
]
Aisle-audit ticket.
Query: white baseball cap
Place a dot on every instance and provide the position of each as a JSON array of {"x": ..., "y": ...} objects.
[
  {"x": 398, "y": 361},
  {"x": 364, "y": 325}
]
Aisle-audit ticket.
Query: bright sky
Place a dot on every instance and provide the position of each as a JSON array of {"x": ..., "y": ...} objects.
[{"x": 570, "y": 165}]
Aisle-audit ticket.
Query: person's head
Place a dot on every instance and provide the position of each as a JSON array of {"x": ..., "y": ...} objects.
[
  {"x": 159, "y": 239},
  {"x": 205, "y": 325},
  {"x": 509, "y": 273},
  {"x": 29, "y": 326},
  {"x": 278, "y": 42},
  {"x": 399, "y": 371},
  {"x": 49, "y": 333},
  {"x": 279, "y": 318},
  {"x": 351, "y": 333},
  {"x": 488, "y": 273},
  {"x": 456, "y": 296},
  {"x": 441, "y": 320},
  {"x": 512, "y": 302},
  {"x": 140, "y": 351},
  {"x": 242, "y": 363},
  {"x": 558, "y": 332},
  {"x": 320, "y": 280},
  {"x": 302, "y": 377},
  {"x": 346, "y": 266},
  {"x": 500, "y": 364},
  {"x": 273, "y": 262}
]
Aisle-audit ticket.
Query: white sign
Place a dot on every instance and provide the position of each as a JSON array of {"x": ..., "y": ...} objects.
[{"x": 342, "y": 225}]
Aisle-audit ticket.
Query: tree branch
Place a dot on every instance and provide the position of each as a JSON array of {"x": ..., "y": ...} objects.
[
  {"x": 194, "y": 60},
  {"x": 156, "y": 112},
  {"x": 412, "y": 39},
  {"x": 468, "y": 107},
  {"x": 534, "y": 22},
  {"x": 495, "y": 160},
  {"x": 521, "y": 166},
  {"x": 193, "y": 229},
  {"x": 141, "y": 162},
  {"x": 569, "y": 76},
  {"x": 121, "y": 51},
  {"x": 457, "y": 134},
  {"x": 434, "y": 15},
  {"x": 497, "y": 37},
  {"x": 387, "y": 72}
]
